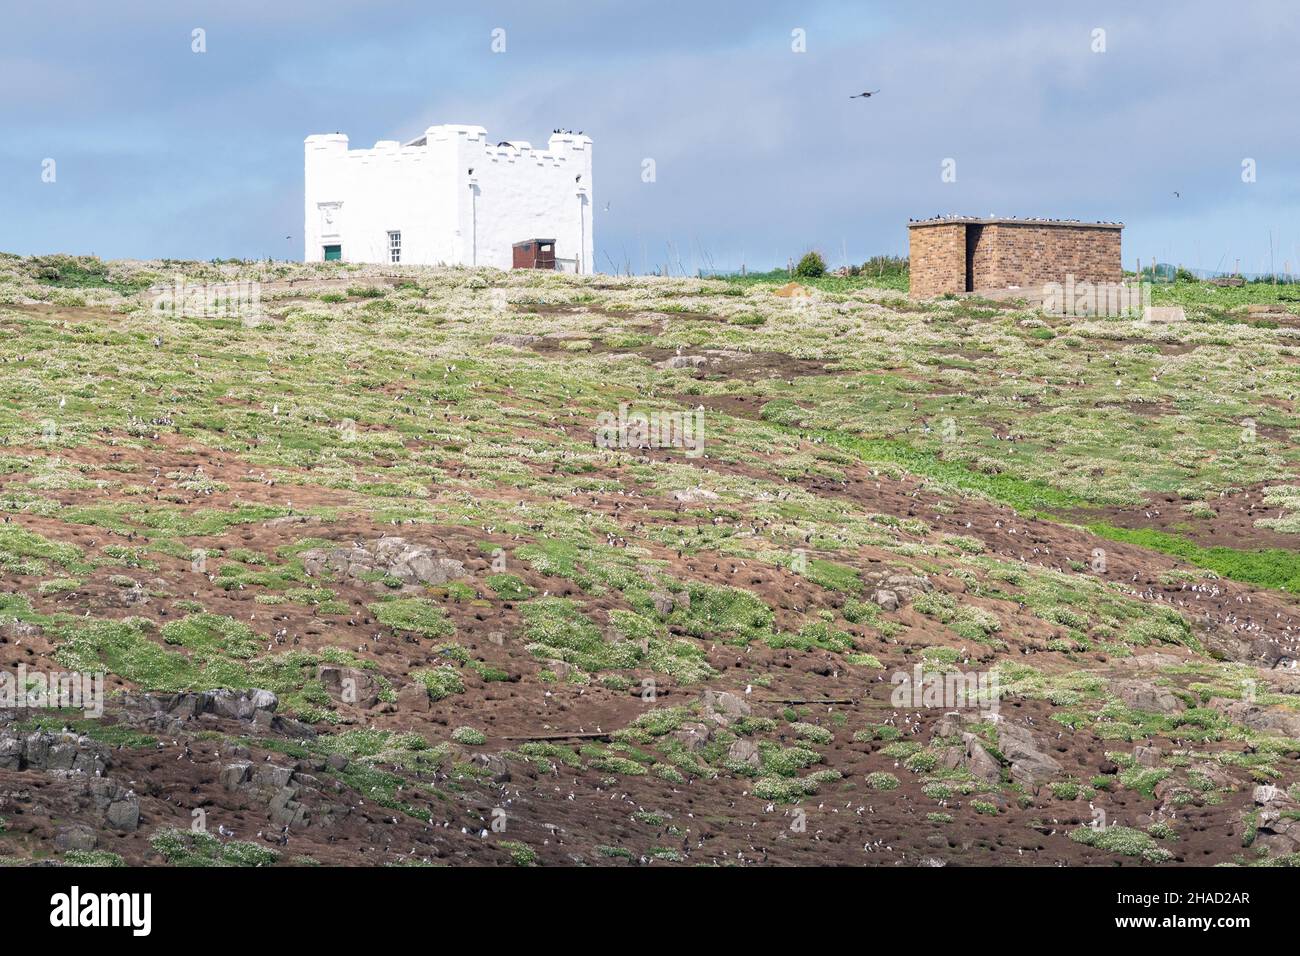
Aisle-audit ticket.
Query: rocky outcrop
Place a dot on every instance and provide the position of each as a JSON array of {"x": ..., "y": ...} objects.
[
  {"x": 172, "y": 713},
  {"x": 78, "y": 836},
  {"x": 350, "y": 685},
  {"x": 1017, "y": 745},
  {"x": 666, "y": 602},
  {"x": 394, "y": 557},
  {"x": 74, "y": 758},
  {"x": 1030, "y": 766},
  {"x": 516, "y": 341},
  {"x": 1277, "y": 828},
  {"x": 43, "y": 750},
  {"x": 119, "y": 805},
  {"x": 744, "y": 753},
  {"x": 1273, "y": 720},
  {"x": 1144, "y": 695},
  {"x": 890, "y": 591},
  {"x": 964, "y": 750},
  {"x": 414, "y": 698},
  {"x": 693, "y": 735},
  {"x": 723, "y": 706},
  {"x": 293, "y": 796}
]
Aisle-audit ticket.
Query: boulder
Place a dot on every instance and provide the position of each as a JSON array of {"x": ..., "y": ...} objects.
[
  {"x": 980, "y": 762},
  {"x": 1277, "y": 830},
  {"x": 744, "y": 753},
  {"x": 78, "y": 836},
  {"x": 124, "y": 814},
  {"x": 693, "y": 735},
  {"x": 235, "y": 775},
  {"x": 395, "y": 556},
  {"x": 725, "y": 704},
  {"x": 1144, "y": 695},
  {"x": 415, "y": 698},
  {"x": 886, "y": 599},
  {"x": 272, "y": 776},
  {"x": 663, "y": 602},
  {"x": 349, "y": 685},
  {"x": 1146, "y": 756},
  {"x": 495, "y": 765},
  {"x": 1271, "y": 720},
  {"x": 1030, "y": 766}
]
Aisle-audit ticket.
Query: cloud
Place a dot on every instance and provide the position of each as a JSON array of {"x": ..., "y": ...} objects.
[{"x": 759, "y": 151}]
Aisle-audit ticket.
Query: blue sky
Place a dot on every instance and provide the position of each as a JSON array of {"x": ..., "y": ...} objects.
[{"x": 759, "y": 152}]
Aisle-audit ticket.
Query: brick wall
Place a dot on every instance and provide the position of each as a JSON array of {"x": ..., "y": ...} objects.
[
  {"x": 937, "y": 259},
  {"x": 1025, "y": 254},
  {"x": 1004, "y": 254}
]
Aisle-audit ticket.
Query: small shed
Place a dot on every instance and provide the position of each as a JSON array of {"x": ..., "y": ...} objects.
[
  {"x": 954, "y": 254},
  {"x": 534, "y": 254}
]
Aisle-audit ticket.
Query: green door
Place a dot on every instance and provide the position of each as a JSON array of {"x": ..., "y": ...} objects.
[{"x": 333, "y": 253}]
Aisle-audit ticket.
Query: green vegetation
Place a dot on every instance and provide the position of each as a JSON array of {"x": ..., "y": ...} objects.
[
  {"x": 194, "y": 848},
  {"x": 157, "y": 526}
]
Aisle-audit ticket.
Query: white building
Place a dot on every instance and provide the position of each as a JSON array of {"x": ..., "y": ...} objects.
[{"x": 449, "y": 197}]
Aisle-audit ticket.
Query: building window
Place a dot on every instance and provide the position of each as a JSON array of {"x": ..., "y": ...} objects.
[
  {"x": 333, "y": 253},
  {"x": 394, "y": 247}
]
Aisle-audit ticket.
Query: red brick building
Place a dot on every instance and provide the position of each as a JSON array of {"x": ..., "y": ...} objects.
[{"x": 960, "y": 254}]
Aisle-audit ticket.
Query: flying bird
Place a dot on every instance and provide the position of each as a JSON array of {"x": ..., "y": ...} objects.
[{"x": 866, "y": 95}]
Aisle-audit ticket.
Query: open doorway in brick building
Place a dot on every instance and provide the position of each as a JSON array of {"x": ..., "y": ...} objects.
[{"x": 973, "y": 231}]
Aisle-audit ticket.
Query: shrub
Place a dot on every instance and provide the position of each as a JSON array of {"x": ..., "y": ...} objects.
[
  {"x": 468, "y": 736},
  {"x": 811, "y": 266}
]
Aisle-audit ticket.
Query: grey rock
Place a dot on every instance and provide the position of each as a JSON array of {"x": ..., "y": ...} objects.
[
  {"x": 886, "y": 599},
  {"x": 663, "y": 602},
  {"x": 693, "y": 735},
  {"x": 518, "y": 341},
  {"x": 410, "y": 563},
  {"x": 1146, "y": 756},
  {"x": 495, "y": 764},
  {"x": 78, "y": 836},
  {"x": 19, "y": 630},
  {"x": 1144, "y": 695},
  {"x": 124, "y": 814},
  {"x": 337, "y": 762},
  {"x": 1030, "y": 767},
  {"x": 349, "y": 685},
  {"x": 744, "y": 753},
  {"x": 235, "y": 775},
  {"x": 726, "y": 704},
  {"x": 1277, "y": 721},
  {"x": 415, "y": 698},
  {"x": 272, "y": 776}
]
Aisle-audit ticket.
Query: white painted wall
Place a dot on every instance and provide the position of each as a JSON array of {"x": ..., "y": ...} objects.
[{"x": 446, "y": 214}]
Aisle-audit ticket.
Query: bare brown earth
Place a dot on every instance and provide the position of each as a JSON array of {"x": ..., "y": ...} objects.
[
  {"x": 566, "y": 814},
  {"x": 576, "y": 814},
  {"x": 1233, "y": 525}
]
